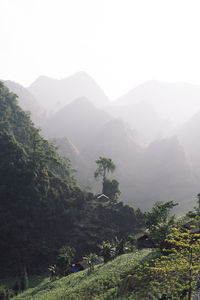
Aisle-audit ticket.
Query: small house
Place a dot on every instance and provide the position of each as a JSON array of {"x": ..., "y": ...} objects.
[
  {"x": 103, "y": 197},
  {"x": 76, "y": 268},
  {"x": 84, "y": 264},
  {"x": 145, "y": 241}
]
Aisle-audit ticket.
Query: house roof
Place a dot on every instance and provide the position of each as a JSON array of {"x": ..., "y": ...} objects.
[{"x": 102, "y": 196}]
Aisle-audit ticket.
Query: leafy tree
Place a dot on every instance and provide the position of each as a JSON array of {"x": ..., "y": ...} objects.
[
  {"x": 105, "y": 165},
  {"x": 185, "y": 245},
  {"x": 107, "y": 251},
  {"x": 110, "y": 187},
  {"x": 174, "y": 274},
  {"x": 64, "y": 259},
  {"x": 159, "y": 221}
]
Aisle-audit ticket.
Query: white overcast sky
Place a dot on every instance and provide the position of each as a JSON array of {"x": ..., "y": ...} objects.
[{"x": 120, "y": 43}]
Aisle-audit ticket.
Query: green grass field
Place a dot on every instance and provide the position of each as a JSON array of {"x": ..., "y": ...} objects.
[{"x": 103, "y": 283}]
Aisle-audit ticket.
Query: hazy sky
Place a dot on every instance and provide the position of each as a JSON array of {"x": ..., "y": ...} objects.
[{"x": 120, "y": 43}]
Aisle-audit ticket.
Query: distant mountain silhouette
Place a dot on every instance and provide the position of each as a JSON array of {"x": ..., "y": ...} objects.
[
  {"x": 143, "y": 118},
  {"x": 165, "y": 173},
  {"x": 79, "y": 121},
  {"x": 117, "y": 140},
  {"x": 175, "y": 101},
  {"x": 53, "y": 94}
]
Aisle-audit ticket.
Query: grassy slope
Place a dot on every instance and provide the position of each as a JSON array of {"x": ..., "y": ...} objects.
[{"x": 103, "y": 283}]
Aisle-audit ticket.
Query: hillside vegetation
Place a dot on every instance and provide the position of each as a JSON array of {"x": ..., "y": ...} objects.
[
  {"x": 41, "y": 207},
  {"x": 105, "y": 282}
]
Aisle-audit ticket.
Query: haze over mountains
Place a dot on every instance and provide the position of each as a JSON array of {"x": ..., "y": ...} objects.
[
  {"x": 174, "y": 101},
  {"x": 53, "y": 94},
  {"x": 151, "y": 133}
]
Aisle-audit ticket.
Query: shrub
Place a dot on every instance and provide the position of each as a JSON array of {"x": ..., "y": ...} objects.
[
  {"x": 64, "y": 259},
  {"x": 91, "y": 259}
]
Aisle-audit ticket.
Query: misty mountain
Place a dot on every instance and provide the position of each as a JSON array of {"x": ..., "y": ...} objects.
[
  {"x": 53, "y": 94},
  {"x": 143, "y": 118},
  {"x": 79, "y": 121},
  {"x": 159, "y": 172},
  {"x": 165, "y": 173},
  {"x": 133, "y": 131},
  {"x": 174, "y": 101},
  {"x": 27, "y": 102},
  {"x": 117, "y": 140}
]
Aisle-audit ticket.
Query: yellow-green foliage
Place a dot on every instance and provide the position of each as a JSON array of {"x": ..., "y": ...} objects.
[
  {"x": 173, "y": 274},
  {"x": 104, "y": 282}
]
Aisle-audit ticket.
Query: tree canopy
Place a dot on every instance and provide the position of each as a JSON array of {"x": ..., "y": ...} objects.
[
  {"x": 105, "y": 165},
  {"x": 159, "y": 221}
]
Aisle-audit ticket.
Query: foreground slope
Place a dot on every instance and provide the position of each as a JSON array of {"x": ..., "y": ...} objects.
[{"x": 103, "y": 283}]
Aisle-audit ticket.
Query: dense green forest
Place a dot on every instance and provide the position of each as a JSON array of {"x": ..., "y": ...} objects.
[{"x": 41, "y": 206}]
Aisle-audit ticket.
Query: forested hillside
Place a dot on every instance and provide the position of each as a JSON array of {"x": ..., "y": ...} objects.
[
  {"x": 41, "y": 206},
  {"x": 27, "y": 102}
]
